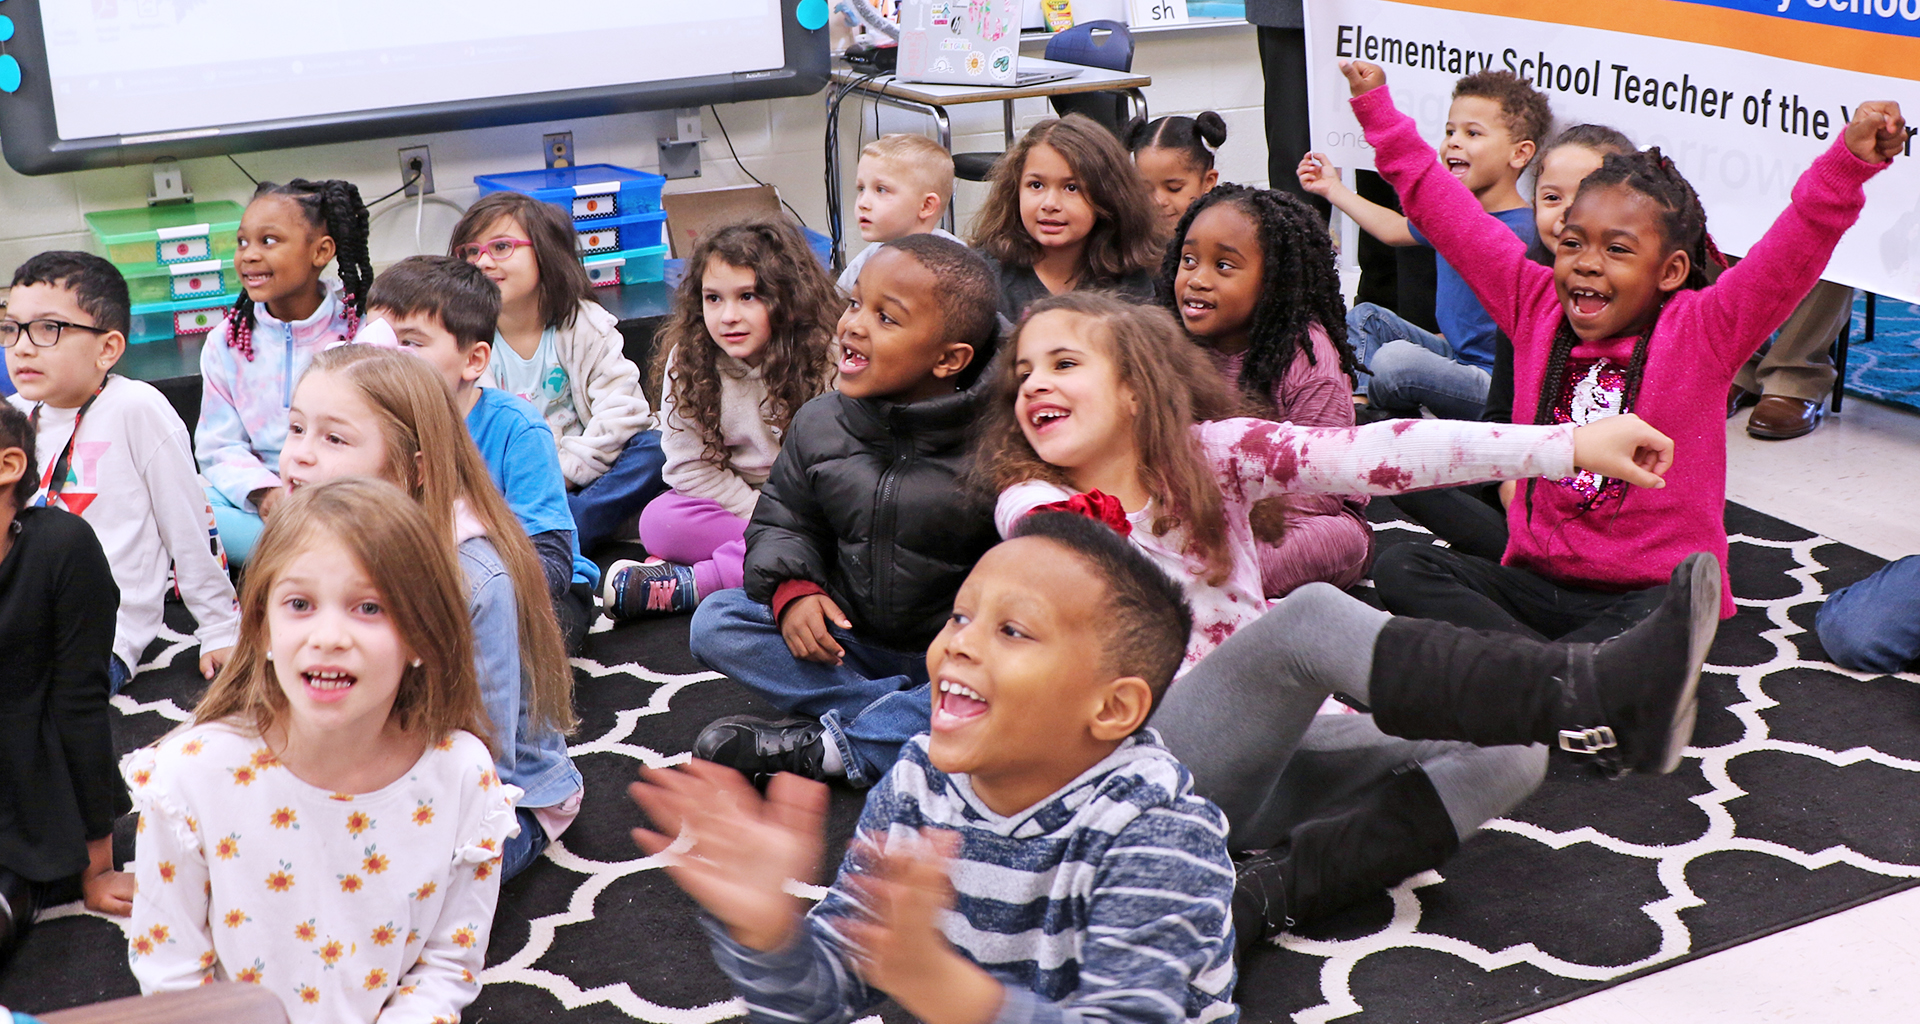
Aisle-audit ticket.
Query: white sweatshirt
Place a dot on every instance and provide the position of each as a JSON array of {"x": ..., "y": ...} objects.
[
  {"x": 133, "y": 480},
  {"x": 752, "y": 443}
]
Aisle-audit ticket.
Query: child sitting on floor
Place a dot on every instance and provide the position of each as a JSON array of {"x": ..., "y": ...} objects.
[
  {"x": 745, "y": 347},
  {"x": 445, "y": 311},
  {"x": 557, "y": 348},
  {"x": 1494, "y": 125},
  {"x": 1175, "y": 156},
  {"x": 59, "y": 793},
  {"x": 113, "y": 451},
  {"x": 329, "y": 825},
  {"x": 1066, "y": 210},
  {"x": 902, "y": 187},
  {"x": 861, "y": 536},
  {"x": 365, "y": 411},
  {"x": 1039, "y": 788},
  {"x": 285, "y": 313},
  {"x": 1251, "y": 275},
  {"x": 1615, "y": 326}
]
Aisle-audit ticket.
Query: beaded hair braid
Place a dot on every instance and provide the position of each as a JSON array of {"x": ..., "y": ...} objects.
[{"x": 335, "y": 208}]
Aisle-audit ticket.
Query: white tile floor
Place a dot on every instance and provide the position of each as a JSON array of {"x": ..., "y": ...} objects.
[{"x": 1855, "y": 479}]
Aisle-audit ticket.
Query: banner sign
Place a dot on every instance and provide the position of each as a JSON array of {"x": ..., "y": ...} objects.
[{"x": 1742, "y": 94}]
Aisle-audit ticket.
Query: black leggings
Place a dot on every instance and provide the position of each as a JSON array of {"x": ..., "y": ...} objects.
[
  {"x": 1470, "y": 519},
  {"x": 1426, "y": 582}
]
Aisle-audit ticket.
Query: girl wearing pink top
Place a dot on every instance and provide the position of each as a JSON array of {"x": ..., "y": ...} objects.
[
  {"x": 1623, "y": 321},
  {"x": 1251, "y": 275}
]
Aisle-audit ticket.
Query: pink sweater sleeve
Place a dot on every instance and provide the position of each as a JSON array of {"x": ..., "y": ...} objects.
[
  {"x": 1755, "y": 296},
  {"x": 1486, "y": 252}
]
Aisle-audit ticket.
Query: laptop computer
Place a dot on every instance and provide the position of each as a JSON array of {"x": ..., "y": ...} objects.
[{"x": 966, "y": 42}]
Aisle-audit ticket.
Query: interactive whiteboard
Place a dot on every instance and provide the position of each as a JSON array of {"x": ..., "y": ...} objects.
[{"x": 120, "y": 81}]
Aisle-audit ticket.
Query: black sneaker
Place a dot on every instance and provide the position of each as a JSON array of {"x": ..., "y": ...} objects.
[
  {"x": 1259, "y": 898},
  {"x": 759, "y": 748}
]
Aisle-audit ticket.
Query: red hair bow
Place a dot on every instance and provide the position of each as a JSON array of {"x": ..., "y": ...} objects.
[{"x": 1094, "y": 505}]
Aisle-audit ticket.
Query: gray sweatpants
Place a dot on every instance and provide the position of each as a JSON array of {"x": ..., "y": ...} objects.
[{"x": 1244, "y": 721}]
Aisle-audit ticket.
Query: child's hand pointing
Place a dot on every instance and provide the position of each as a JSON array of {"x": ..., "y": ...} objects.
[
  {"x": 1877, "y": 132},
  {"x": 1361, "y": 76}
]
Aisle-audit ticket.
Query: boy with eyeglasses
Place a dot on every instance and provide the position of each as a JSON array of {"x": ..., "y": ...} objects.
[{"x": 113, "y": 452}]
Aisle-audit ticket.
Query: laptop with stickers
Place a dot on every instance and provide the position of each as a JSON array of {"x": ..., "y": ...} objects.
[{"x": 966, "y": 42}]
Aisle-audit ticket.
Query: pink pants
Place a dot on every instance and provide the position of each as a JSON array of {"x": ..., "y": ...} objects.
[
  {"x": 1336, "y": 549},
  {"x": 699, "y": 532}
]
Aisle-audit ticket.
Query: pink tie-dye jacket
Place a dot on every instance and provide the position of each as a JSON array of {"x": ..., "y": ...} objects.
[{"x": 1256, "y": 459}]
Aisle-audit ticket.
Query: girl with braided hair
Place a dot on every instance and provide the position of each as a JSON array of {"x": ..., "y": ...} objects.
[
  {"x": 1251, "y": 274},
  {"x": 1624, "y": 321},
  {"x": 285, "y": 314}
]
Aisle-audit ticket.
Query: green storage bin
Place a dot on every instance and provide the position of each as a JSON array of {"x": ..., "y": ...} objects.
[
  {"x": 159, "y": 282},
  {"x": 163, "y": 321},
  {"x": 168, "y": 234},
  {"x": 635, "y": 266}
]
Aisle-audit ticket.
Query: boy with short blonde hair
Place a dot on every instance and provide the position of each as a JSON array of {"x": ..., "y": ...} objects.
[{"x": 901, "y": 187}]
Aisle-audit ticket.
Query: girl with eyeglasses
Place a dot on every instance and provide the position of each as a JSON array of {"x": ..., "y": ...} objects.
[{"x": 561, "y": 350}]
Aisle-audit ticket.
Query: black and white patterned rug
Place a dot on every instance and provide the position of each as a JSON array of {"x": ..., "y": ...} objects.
[{"x": 1795, "y": 801}]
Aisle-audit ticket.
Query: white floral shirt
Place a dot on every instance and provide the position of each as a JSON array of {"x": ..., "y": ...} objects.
[{"x": 348, "y": 907}]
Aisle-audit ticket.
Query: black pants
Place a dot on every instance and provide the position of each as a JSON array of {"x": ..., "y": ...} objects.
[
  {"x": 1425, "y": 582},
  {"x": 576, "y": 608},
  {"x": 1470, "y": 519}
]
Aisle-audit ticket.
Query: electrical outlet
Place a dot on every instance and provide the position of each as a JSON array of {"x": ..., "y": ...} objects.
[
  {"x": 559, "y": 149},
  {"x": 416, "y": 160}
]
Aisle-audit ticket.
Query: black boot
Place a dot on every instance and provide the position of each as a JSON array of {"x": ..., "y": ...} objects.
[
  {"x": 1630, "y": 701},
  {"x": 19, "y": 902},
  {"x": 1394, "y": 830},
  {"x": 759, "y": 748}
]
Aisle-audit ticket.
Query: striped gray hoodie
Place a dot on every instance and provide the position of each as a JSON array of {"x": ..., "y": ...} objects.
[{"x": 1107, "y": 901}]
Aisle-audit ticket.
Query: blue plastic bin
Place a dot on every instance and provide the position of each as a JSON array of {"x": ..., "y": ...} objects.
[
  {"x": 822, "y": 245},
  {"x": 589, "y": 191},
  {"x": 634, "y": 266},
  {"x": 161, "y": 321},
  {"x": 622, "y": 233}
]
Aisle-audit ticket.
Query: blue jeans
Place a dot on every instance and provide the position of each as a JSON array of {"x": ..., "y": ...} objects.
[
  {"x": 872, "y": 702},
  {"x": 1874, "y": 625},
  {"x": 118, "y": 675},
  {"x": 523, "y": 849},
  {"x": 1409, "y": 367},
  {"x": 239, "y": 528},
  {"x": 621, "y": 492}
]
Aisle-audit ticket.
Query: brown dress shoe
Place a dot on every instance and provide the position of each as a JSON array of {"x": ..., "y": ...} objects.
[
  {"x": 1779, "y": 417},
  {"x": 1739, "y": 398}
]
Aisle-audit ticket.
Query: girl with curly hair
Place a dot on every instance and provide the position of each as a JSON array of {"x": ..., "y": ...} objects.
[
  {"x": 745, "y": 347},
  {"x": 1251, "y": 274}
]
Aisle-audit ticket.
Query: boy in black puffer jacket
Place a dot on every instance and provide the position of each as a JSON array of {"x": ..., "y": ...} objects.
[{"x": 862, "y": 535}]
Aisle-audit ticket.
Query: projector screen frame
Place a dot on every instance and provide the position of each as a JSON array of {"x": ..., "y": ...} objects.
[{"x": 31, "y": 145}]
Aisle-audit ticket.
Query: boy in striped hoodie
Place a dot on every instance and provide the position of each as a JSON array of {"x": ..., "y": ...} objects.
[{"x": 1079, "y": 875}]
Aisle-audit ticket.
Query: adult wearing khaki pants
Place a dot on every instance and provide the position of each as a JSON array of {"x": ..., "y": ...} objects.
[{"x": 1788, "y": 382}]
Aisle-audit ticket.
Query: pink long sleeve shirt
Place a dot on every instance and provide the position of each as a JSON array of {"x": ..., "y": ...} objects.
[{"x": 1581, "y": 531}]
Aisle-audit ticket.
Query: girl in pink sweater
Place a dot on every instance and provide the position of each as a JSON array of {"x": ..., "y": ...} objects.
[
  {"x": 1623, "y": 321},
  {"x": 1250, "y": 273}
]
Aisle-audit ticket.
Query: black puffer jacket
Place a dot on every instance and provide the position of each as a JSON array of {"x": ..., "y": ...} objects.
[{"x": 864, "y": 501}]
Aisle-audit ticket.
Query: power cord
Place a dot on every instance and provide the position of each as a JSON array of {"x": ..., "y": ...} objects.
[
  {"x": 743, "y": 167},
  {"x": 249, "y": 174},
  {"x": 834, "y": 204},
  {"x": 405, "y": 185}
]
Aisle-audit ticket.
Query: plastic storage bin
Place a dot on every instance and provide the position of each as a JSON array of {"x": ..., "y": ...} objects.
[
  {"x": 168, "y": 234},
  {"x": 635, "y": 266},
  {"x": 160, "y": 282},
  {"x": 159, "y": 321},
  {"x": 589, "y": 191},
  {"x": 621, "y": 234},
  {"x": 822, "y": 245}
]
